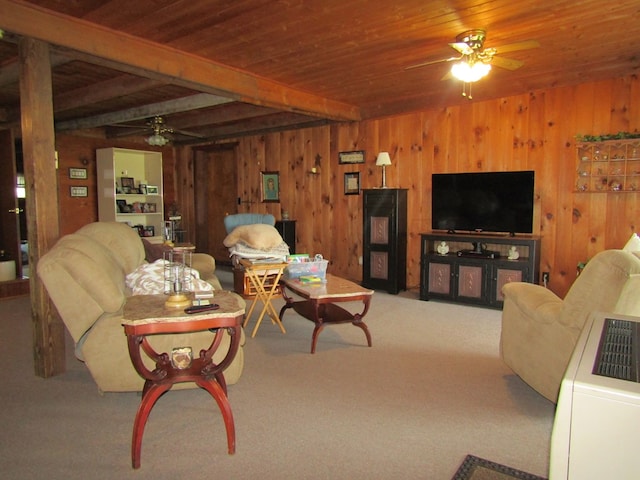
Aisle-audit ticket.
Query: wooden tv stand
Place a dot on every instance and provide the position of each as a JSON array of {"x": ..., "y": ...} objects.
[{"x": 469, "y": 274}]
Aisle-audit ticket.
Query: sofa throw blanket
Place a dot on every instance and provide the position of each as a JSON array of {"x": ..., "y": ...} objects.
[{"x": 148, "y": 279}]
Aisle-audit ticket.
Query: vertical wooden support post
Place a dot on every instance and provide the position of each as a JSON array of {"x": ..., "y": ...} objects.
[{"x": 38, "y": 145}]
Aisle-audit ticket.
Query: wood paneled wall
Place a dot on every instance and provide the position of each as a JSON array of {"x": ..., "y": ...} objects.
[{"x": 533, "y": 131}]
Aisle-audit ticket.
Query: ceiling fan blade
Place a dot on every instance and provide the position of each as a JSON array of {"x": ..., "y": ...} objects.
[
  {"x": 512, "y": 47},
  {"x": 507, "y": 63},
  {"x": 447, "y": 76},
  {"x": 124, "y": 125},
  {"x": 432, "y": 62},
  {"x": 187, "y": 133}
]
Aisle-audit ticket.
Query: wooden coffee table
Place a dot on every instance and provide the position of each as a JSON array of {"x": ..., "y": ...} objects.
[
  {"x": 319, "y": 304},
  {"x": 145, "y": 315}
]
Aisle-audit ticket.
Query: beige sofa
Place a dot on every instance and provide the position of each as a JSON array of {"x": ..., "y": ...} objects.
[
  {"x": 84, "y": 274},
  {"x": 540, "y": 330}
]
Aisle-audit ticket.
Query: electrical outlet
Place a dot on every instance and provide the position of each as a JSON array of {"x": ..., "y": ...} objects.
[{"x": 545, "y": 278}]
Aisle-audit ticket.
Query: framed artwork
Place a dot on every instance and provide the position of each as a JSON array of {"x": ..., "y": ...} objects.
[
  {"x": 78, "y": 173},
  {"x": 356, "y": 156},
  {"x": 79, "y": 191},
  {"x": 122, "y": 206},
  {"x": 352, "y": 183},
  {"x": 153, "y": 190},
  {"x": 270, "y": 186}
]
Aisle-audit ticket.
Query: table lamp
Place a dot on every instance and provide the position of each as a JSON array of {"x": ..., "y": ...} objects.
[
  {"x": 177, "y": 278},
  {"x": 382, "y": 161}
]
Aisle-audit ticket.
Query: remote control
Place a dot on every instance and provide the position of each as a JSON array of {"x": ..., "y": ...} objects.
[{"x": 201, "y": 308}]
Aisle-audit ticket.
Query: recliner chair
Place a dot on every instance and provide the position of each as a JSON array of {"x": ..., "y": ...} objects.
[{"x": 540, "y": 330}]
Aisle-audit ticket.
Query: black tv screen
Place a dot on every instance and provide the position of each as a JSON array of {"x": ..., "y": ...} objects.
[{"x": 483, "y": 202}]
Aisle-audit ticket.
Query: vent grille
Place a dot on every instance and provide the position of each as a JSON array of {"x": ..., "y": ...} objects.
[{"x": 618, "y": 351}]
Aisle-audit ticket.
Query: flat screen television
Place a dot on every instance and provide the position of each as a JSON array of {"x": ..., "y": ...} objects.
[{"x": 483, "y": 202}]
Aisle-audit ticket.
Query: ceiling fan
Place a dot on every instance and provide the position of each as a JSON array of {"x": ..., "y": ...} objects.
[
  {"x": 159, "y": 131},
  {"x": 474, "y": 61},
  {"x": 158, "y": 126}
]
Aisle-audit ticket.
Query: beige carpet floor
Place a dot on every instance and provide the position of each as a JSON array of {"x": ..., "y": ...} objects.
[{"x": 431, "y": 390}]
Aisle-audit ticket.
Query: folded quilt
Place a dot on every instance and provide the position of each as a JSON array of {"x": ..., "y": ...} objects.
[{"x": 241, "y": 250}]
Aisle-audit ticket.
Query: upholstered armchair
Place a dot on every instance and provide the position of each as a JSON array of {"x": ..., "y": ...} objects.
[{"x": 540, "y": 330}]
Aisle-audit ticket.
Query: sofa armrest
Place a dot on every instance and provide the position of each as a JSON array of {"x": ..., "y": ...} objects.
[
  {"x": 539, "y": 303},
  {"x": 205, "y": 264}
]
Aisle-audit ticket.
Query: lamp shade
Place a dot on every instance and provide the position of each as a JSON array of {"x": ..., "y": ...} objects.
[{"x": 383, "y": 159}]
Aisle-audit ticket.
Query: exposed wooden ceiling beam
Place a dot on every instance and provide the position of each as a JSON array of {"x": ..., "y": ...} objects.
[
  {"x": 98, "y": 92},
  {"x": 259, "y": 125},
  {"x": 180, "y": 67},
  {"x": 231, "y": 112},
  {"x": 10, "y": 72},
  {"x": 200, "y": 100}
]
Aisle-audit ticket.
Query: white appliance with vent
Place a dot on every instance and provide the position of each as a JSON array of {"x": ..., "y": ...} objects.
[{"x": 596, "y": 432}]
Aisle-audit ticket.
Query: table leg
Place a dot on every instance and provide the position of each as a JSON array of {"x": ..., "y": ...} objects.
[
  {"x": 149, "y": 398},
  {"x": 221, "y": 399}
]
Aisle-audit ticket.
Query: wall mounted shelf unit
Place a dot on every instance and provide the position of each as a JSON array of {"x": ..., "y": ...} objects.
[{"x": 608, "y": 166}]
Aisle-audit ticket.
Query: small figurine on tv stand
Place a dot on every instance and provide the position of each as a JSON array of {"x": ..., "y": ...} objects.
[
  {"x": 513, "y": 254},
  {"x": 443, "y": 248}
]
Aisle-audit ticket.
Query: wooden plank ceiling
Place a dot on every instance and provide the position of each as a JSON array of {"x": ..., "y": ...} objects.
[{"x": 221, "y": 69}]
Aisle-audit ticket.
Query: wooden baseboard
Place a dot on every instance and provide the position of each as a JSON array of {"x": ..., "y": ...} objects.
[{"x": 14, "y": 288}]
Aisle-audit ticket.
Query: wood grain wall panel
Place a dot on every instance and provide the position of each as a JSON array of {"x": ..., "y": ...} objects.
[{"x": 530, "y": 131}]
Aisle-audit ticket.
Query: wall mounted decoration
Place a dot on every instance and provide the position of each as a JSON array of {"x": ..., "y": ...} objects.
[
  {"x": 352, "y": 183},
  {"x": 79, "y": 191},
  {"x": 356, "y": 156},
  {"x": 78, "y": 173},
  {"x": 270, "y": 186}
]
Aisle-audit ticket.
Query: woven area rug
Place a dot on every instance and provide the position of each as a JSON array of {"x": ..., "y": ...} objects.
[{"x": 475, "y": 468}]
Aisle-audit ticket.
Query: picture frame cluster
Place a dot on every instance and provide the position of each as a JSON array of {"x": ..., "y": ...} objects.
[{"x": 136, "y": 207}]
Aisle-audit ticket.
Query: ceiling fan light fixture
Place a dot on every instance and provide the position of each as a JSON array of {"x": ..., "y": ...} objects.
[
  {"x": 157, "y": 140},
  {"x": 470, "y": 72}
]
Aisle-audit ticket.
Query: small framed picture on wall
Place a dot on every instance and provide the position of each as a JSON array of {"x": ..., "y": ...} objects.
[
  {"x": 270, "y": 186},
  {"x": 352, "y": 183}
]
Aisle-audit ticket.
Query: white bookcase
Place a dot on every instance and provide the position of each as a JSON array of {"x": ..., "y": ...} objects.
[{"x": 131, "y": 204}]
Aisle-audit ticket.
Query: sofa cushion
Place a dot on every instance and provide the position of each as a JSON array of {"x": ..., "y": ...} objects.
[
  {"x": 258, "y": 236},
  {"x": 633, "y": 244},
  {"x": 154, "y": 251}
]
